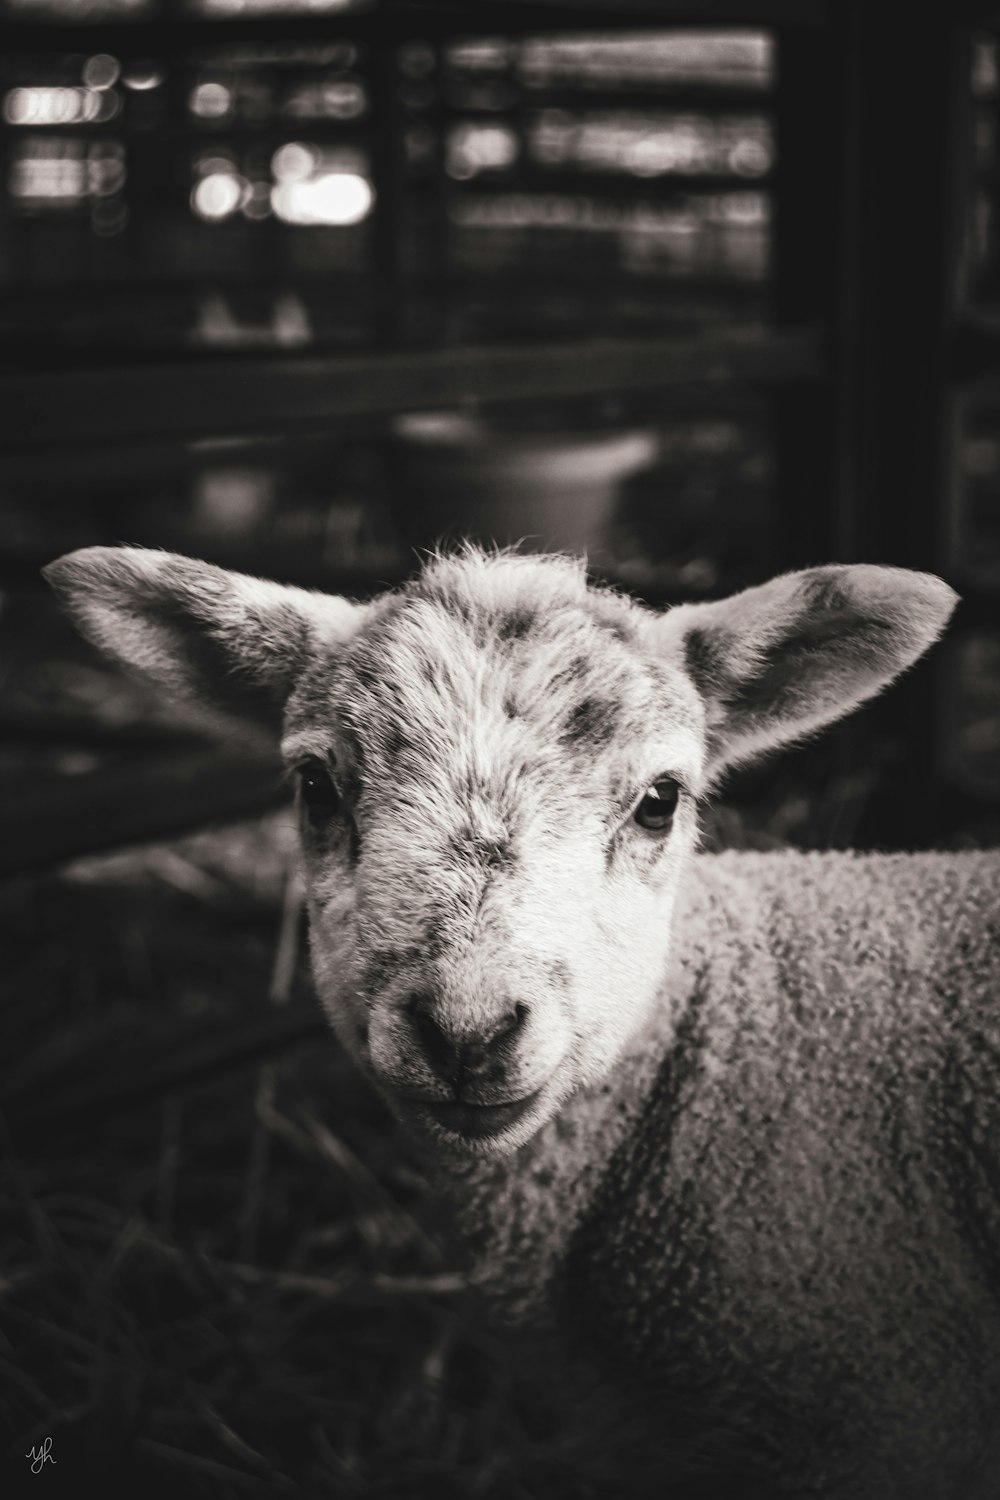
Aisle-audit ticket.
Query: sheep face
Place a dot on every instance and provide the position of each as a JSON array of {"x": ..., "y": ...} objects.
[
  {"x": 497, "y": 799},
  {"x": 498, "y": 769}
]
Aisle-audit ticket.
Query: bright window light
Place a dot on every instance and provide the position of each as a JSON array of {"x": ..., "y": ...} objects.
[
  {"x": 326, "y": 99},
  {"x": 707, "y": 57},
  {"x": 476, "y": 148},
  {"x": 61, "y": 172},
  {"x": 40, "y": 179},
  {"x": 60, "y": 106},
  {"x": 650, "y": 145},
  {"x": 314, "y": 186},
  {"x": 331, "y": 198}
]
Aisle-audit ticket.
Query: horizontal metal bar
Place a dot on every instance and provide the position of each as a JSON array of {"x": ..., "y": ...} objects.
[{"x": 230, "y": 396}]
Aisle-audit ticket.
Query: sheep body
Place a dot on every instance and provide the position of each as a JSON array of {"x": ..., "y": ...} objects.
[
  {"x": 785, "y": 1197},
  {"x": 725, "y": 1124}
]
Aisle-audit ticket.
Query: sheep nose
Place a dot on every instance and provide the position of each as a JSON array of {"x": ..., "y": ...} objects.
[{"x": 453, "y": 1056}]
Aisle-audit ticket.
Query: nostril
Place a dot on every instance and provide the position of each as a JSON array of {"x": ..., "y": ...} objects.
[
  {"x": 506, "y": 1028},
  {"x": 436, "y": 1043},
  {"x": 515, "y": 1020}
]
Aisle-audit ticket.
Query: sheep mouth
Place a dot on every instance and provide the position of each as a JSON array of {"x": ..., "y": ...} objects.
[{"x": 476, "y": 1122}]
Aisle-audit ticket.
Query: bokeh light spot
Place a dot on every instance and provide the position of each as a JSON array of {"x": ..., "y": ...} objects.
[
  {"x": 211, "y": 101},
  {"x": 217, "y": 196},
  {"x": 101, "y": 71}
]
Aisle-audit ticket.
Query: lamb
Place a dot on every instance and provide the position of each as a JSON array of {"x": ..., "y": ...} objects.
[{"x": 727, "y": 1126}]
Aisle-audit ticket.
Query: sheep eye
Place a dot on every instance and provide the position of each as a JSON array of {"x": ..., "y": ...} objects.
[
  {"x": 318, "y": 791},
  {"x": 657, "y": 808}
]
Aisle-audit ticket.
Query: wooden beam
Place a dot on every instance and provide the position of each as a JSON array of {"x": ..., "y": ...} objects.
[
  {"x": 231, "y": 396},
  {"x": 145, "y": 798},
  {"x": 907, "y": 155},
  {"x": 908, "y": 148},
  {"x": 808, "y": 121},
  {"x": 34, "y": 727},
  {"x": 613, "y": 187},
  {"x": 395, "y": 20},
  {"x": 664, "y": 99},
  {"x": 694, "y": 13}
]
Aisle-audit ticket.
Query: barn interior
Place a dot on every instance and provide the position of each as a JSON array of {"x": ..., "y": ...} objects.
[{"x": 703, "y": 290}]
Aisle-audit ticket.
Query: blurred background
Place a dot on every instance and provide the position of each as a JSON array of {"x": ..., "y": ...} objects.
[{"x": 703, "y": 290}]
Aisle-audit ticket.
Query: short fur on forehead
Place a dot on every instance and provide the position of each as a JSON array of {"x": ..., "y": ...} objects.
[{"x": 520, "y": 653}]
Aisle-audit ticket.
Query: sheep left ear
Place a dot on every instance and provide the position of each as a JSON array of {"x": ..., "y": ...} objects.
[
  {"x": 227, "y": 643},
  {"x": 775, "y": 663}
]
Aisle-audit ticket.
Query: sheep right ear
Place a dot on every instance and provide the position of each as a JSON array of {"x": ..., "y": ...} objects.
[
  {"x": 775, "y": 663},
  {"x": 223, "y": 641}
]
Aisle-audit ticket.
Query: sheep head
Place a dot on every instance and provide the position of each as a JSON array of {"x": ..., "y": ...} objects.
[{"x": 498, "y": 770}]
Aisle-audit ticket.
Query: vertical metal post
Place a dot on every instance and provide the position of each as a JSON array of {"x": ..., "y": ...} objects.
[
  {"x": 808, "y": 121},
  {"x": 906, "y": 88}
]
